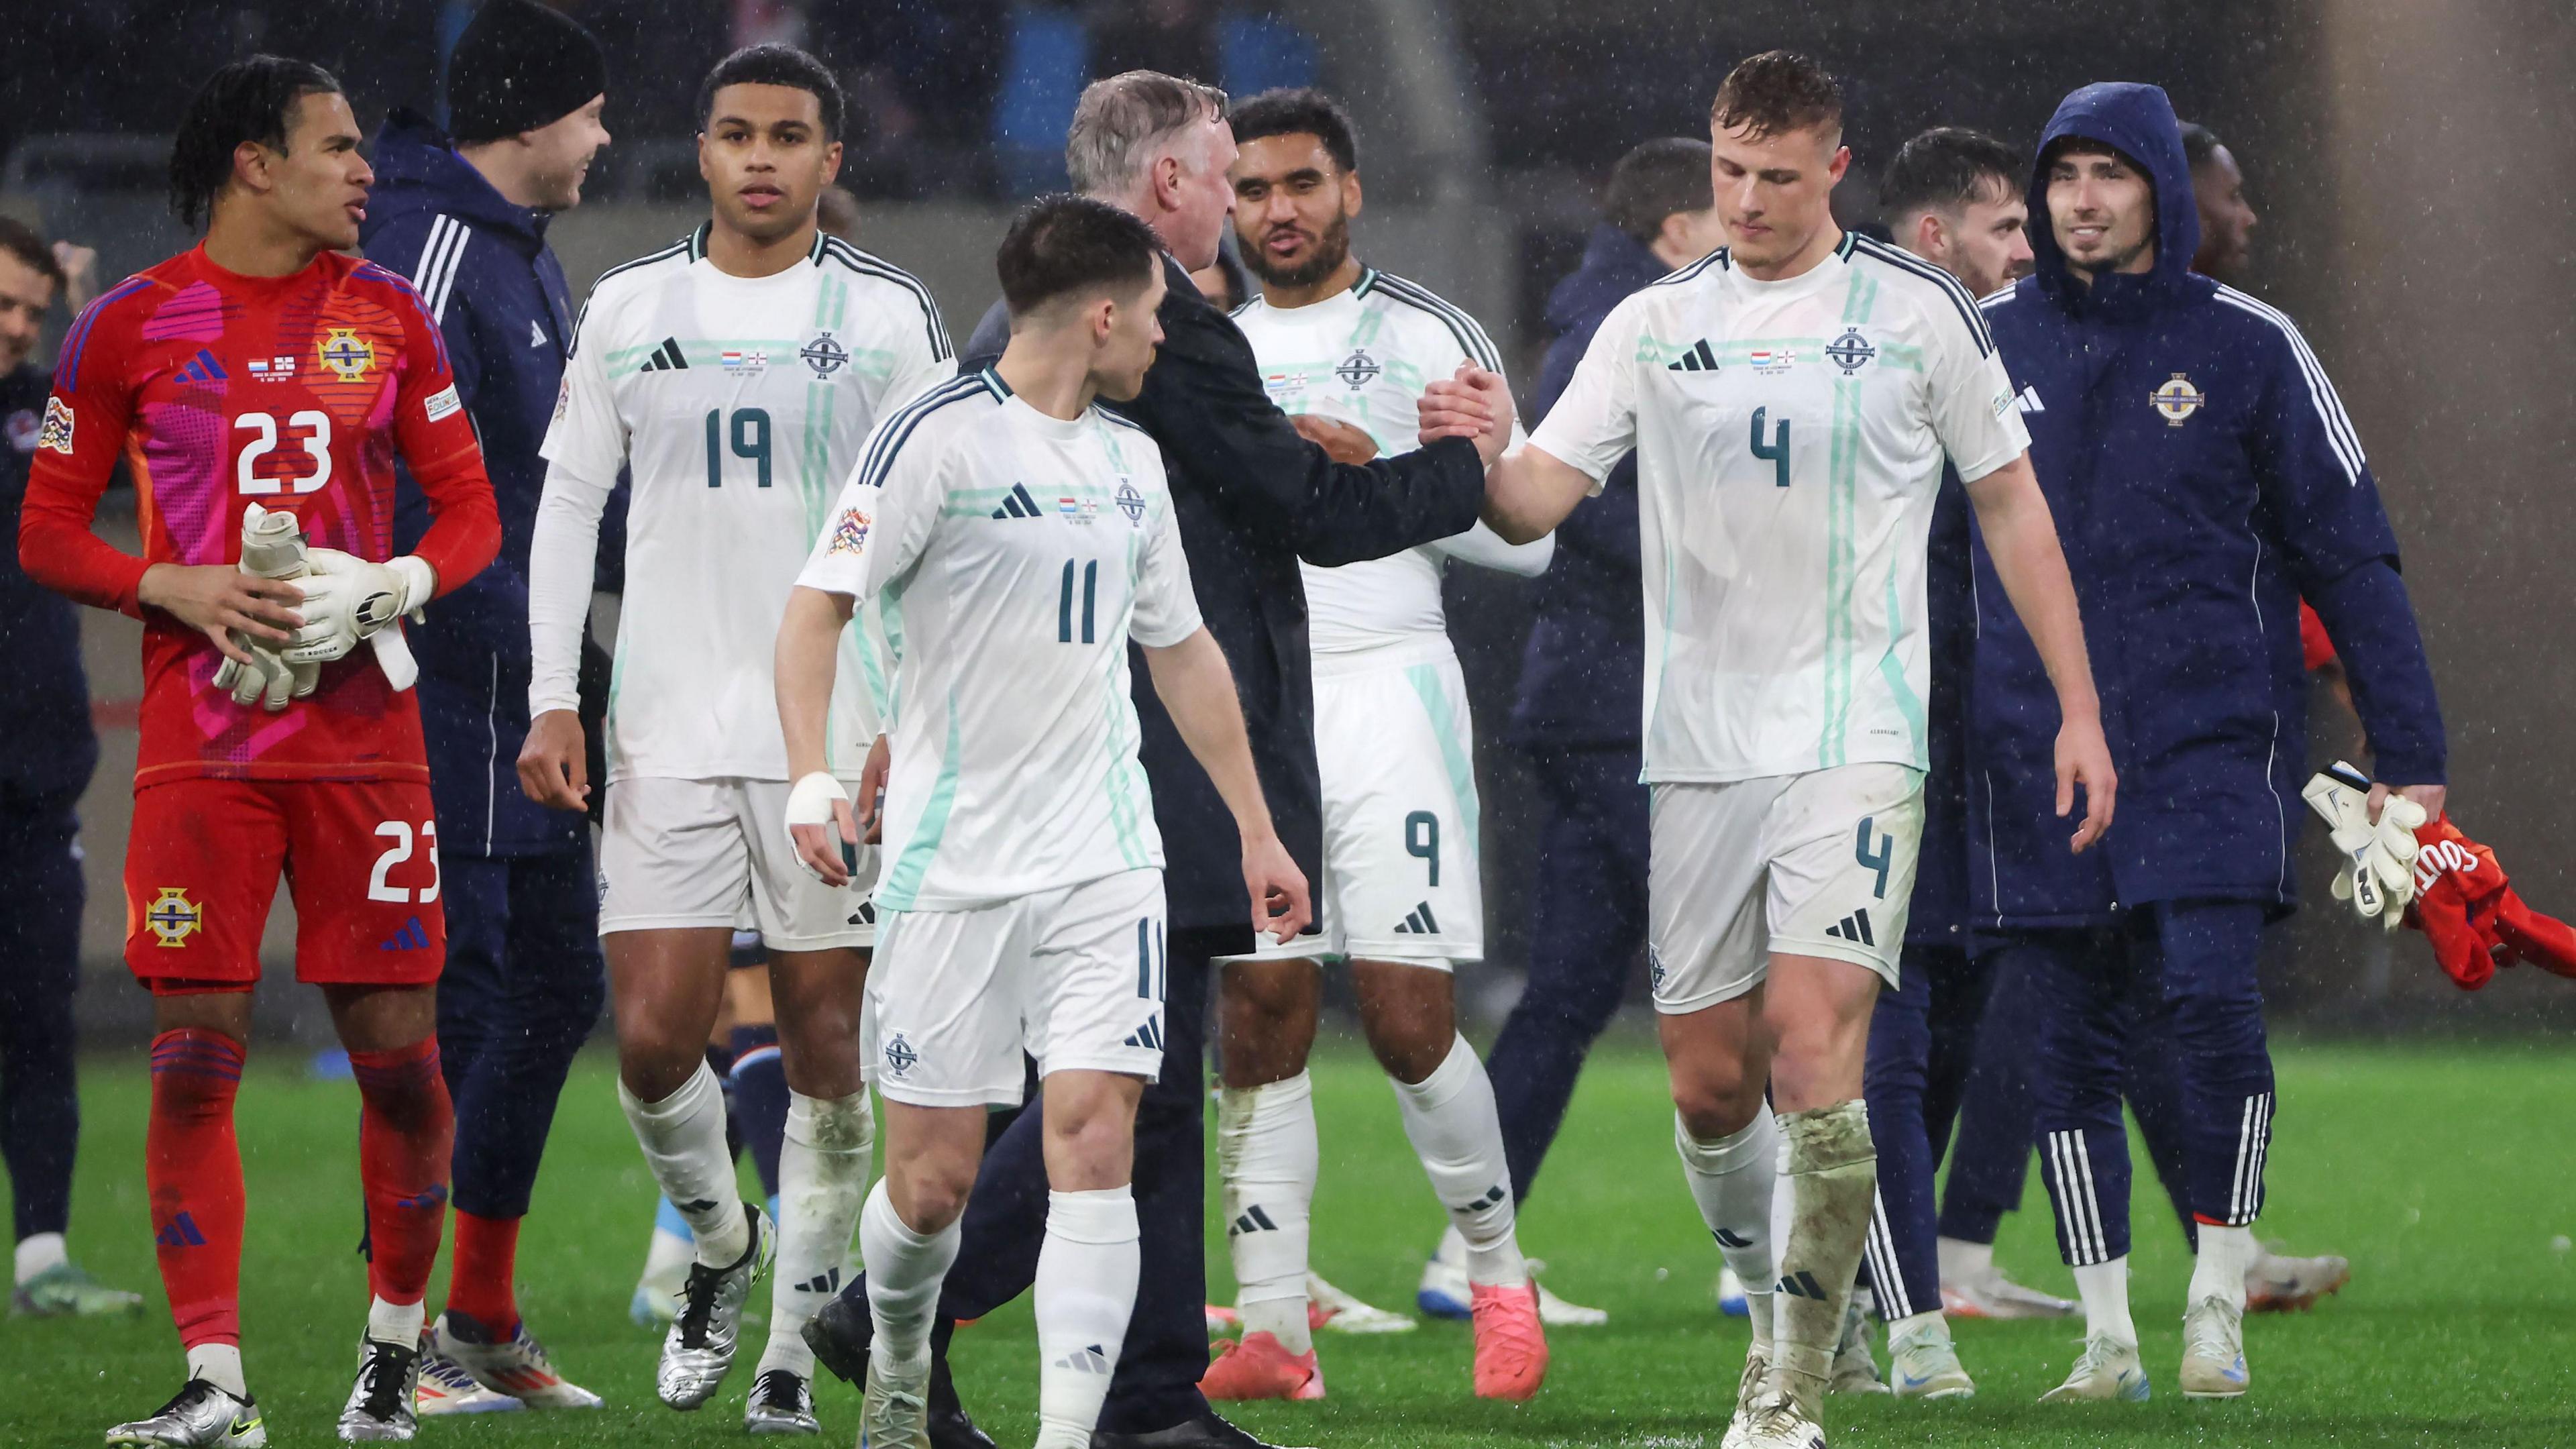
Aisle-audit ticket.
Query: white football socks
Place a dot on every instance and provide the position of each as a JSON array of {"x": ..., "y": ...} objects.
[
  {"x": 683, "y": 1137},
  {"x": 219, "y": 1364},
  {"x": 2225, "y": 1256},
  {"x": 1829, "y": 1170},
  {"x": 1266, "y": 1156},
  {"x": 395, "y": 1322},
  {"x": 2104, "y": 1287},
  {"x": 39, "y": 1251},
  {"x": 1963, "y": 1261},
  {"x": 905, "y": 1269},
  {"x": 1731, "y": 1180},
  {"x": 1086, "y": 1291},
  {"x": 1451, "y": 1120},
  {"x": 822, "y": 1183}
]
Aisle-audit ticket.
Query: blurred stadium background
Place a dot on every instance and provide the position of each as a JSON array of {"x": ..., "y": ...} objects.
[{"x": 2411, "y": 162}]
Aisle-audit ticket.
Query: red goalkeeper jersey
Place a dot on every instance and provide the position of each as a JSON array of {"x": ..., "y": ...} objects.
[{"x": 220, "y": 390}]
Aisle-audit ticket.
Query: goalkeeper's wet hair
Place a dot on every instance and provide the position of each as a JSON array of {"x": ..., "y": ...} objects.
[
  {"x": 248, "y": 100},
  {"x": 1066, "y": 246}
]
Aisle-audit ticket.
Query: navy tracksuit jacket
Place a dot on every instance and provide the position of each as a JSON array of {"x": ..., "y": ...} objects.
[
  {"x": 2204, "y": 477},
  {"x": 523, "y": 983}
]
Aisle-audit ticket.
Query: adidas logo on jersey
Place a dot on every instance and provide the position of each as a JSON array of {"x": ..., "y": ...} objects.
[
  {"x": 1148, "y": 1036},
  {"x": 1253, "y": 1220},
  {"x": 666, "y": 358},
  {"x": 202, "y": 368},
  {"x": 1018, "y": 504},
  {"x": 1419, "y": 922},
  {"x": 2028, "y": 401},
  {"x": 1854, "y": 927},
  {"x": 1697, "y": 359},
  {"x": 412, "y": 937}
]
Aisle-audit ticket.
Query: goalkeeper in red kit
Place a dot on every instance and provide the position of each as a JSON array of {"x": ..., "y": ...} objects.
[{"x": 260, "y": 373}]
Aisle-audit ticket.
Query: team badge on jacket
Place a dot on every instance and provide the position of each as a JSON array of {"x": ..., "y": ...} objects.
[{"x": 2177, "y": 399}]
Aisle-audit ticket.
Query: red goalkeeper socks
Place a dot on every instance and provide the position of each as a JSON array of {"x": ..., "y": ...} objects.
[
  {"x": 479, "y": 1275},
  {"x": 192, "y": 1168},
  {"x": 405, "y": 1131}
]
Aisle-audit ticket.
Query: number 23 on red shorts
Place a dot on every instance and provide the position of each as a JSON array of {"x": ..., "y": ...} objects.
[{"x": 360, "y": 859}]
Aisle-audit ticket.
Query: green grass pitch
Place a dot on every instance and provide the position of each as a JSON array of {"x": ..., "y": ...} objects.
[{"x": 2447, "y": 1174}]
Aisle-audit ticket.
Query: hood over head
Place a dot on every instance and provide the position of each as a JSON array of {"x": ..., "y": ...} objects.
[{"x": 2138, "y": 121}]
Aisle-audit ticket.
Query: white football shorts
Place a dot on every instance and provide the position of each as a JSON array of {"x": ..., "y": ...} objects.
[
  {"x": 682, "y": 853},
  {"x": 1396, "y": 750},
  {"x": 1072, "y": 976},
  {"x": 1818, "y": 864}
]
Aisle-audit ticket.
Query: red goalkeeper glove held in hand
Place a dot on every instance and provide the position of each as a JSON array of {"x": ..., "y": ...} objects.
[{"x": 2466, "y": 907}]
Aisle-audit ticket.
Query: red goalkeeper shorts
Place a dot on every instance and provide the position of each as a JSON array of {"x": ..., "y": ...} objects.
[{"x": 360, "y": 860}]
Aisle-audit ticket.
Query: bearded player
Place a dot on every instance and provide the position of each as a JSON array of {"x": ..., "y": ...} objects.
[
  {"x": 264, "y": 369},
  {"x": 1399, "y": 899}
]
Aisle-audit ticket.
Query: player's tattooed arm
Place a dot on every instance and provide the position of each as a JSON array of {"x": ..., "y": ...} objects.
[
  {"x": 2021, "y": 537},
  {"x": 1197, "y": 688}
]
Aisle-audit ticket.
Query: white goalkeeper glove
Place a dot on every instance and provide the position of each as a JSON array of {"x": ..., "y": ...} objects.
[
  {"x": 348, "y": 599},
  {"x": 2377, "y": 874},
  {"x": 809, "y": 802},
  {"x": 272, "y": 548}
]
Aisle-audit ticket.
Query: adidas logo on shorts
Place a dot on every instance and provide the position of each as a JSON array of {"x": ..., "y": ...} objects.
[
  {"x": 1419, "y": 922},
  {"x": 1854, "y": 927}
]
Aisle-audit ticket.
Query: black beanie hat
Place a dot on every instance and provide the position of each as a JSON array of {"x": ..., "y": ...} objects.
[{"x": 518, "y": 66}]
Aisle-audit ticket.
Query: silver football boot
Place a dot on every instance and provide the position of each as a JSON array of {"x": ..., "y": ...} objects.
[
  {"x": 199, "y": 1416},
  {"x": 381, "y": 1407},
  {"x": 699, "y": 1348},
  {"x": 782, "y": 1402}
]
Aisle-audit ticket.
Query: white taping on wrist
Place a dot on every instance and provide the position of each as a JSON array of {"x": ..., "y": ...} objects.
[{"x": 809, "y": 802}]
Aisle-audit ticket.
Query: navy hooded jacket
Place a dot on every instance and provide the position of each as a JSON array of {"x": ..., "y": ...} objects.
[
  {"x": 1583, "y": 671},
  {"x": 482, "y": 267},
  {"x": 2204, "y": 477}
]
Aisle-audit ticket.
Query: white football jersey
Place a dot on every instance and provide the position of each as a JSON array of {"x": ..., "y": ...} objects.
[
  {"x": 1363, "y": 357},
  {"x": 1789, "y": 439},
  {"x": 1013, "y": 554},
  {"x": 737, "y": 405}
]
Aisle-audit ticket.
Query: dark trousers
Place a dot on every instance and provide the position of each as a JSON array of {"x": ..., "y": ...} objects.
[
  {"x": 2196, "y": 961},
  {"x": 1991, "y": 1150},
  {"x": 521, "y": 992},
  {"x": 1166, "y": 1352},
  {"x": 1922, "y": 1041},
  {"x": 40, "y": 916},
  {"x": 1587, "y": 924}
]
